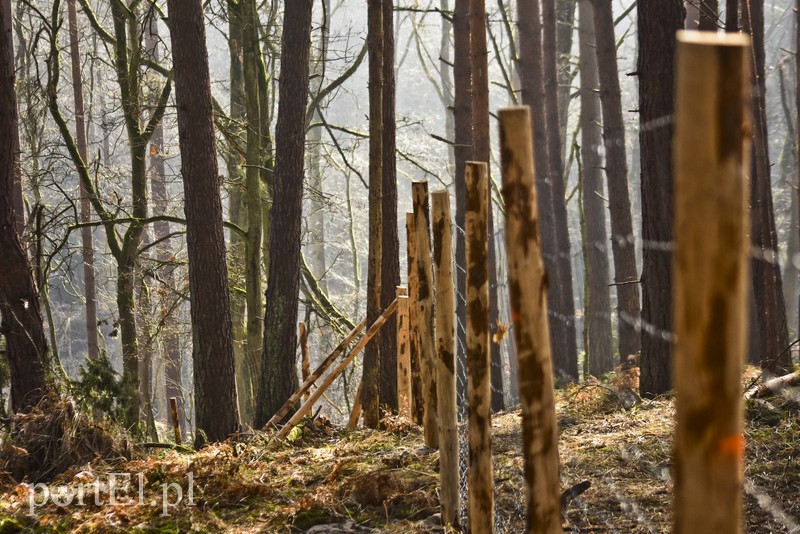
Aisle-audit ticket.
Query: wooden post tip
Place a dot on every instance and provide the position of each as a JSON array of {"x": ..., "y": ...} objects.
[{"x": 712, "y": 38}]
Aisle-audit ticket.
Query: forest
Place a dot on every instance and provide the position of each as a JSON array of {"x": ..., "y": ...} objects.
[{"x": 347, "y": 266}]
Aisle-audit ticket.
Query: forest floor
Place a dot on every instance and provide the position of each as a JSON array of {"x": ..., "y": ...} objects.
[{"x": 330, "y": 480}]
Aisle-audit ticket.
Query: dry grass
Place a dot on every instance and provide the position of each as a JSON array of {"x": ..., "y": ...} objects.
[{"x": 387, "y": 481}]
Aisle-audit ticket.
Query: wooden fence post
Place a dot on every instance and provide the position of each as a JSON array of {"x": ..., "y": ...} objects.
[
  {"x": 527, "y": 292},
  {"x": 417, "y": 395},
  {"x": 479, "y": 393},
  {"x": 425, "y": 311},
  {"x": 446, "y": 357},
  {"x": 403, "y": 356},
  {"x": 710, "y": 277},
  {"x": 176, "y": 424},
  {"x": 305, "y": 365}
]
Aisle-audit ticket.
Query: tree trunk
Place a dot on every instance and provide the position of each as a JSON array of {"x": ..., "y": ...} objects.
[
  {"x": 216, "y": 403},
  {"x": 565, "y": 355},
  {"x": 482, "y": 153},
  {"x": 19, "y": 298},
  {"x": 797, "y": 106},
  {"x": 237, "y": 212},
  {"x": 251, "y": 57},
  {"x": 530, "y": 68},
  {"x": 278, "y": 372},
  {"x": 390, "y": 253},
  {"x": 370, "y": 381},
  {"x": 622, "y": 238},
  {"x": 598, "y": 307},
  {"x": 463, "y": 152},
  {"x": 565, "y": 28},
  {"x": 165, "y": 255},
  {"x": 316, "y": 217},
  {"x": 767, "y": 281},
  {"x": 658, "y": 20},
  {"x": 709, "y": 15},
  {"x": 16, "y": 187},
  {"x": 87, "y": 248}
]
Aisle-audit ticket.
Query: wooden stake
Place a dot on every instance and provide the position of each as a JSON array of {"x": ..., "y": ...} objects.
[
  {"x": 291, "y": 401},
  {"x": 446, "y": 357},
  {"x": 305, "y": 365},
  {"x": 528, "y": 294},
  {"x": 336, "y": 371},
  {"x": 403, "y": 355},
  {"x": 355, "y": 413},
  {"x": 417, "y": 395},
  {"x": 176, "y": 424},
  {"x": 479, "y": 393},
  {"x": 425, "y": 312},
  {"x": 710, "y": 278}
]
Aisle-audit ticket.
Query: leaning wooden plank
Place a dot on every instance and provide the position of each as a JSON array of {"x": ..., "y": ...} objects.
[
  {"x": 336, "y": 371},
  {"x": 306, "y": 385}
]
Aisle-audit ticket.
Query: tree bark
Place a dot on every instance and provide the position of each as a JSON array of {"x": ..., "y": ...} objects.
[
  {"x": 246, "y": 381},
  {"x": 482, "y": 153},
  {"x": 16, "y": 188},
  {"x": 530, "y": 68},
  {"x": 390, "y": 252},
  {"x": 565, "y": 355},
  {"x": 598, "y": 307},
  {"x": 19, "y": 298},
  {"x": 463, "y": 152},
  {"x": 251, "y": 58},
  {"x": 658, "y": 20},
  {"x": 216, "y": 403},
  {"x": 622, "y": 238},
  {"x": 87, "y": 248},
  {"x": 766, "y": 273},
  {"x": 278, "y": 372},
  {"x": 370, "y": 381}
]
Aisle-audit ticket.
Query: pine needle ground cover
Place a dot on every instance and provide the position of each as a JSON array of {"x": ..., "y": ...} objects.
[{"x": 331, "y": 480}]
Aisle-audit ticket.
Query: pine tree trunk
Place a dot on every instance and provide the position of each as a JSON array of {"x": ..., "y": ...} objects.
[
  {"x": 565, "y": 355},
  {"x": 565, "y": 28},
  {"x": 279, "y": 372},
  {"x": 87, "y": 248},
  {"x": 482, "y": 148},
  {"x": 19, "y": 299},
  {"x": 216, "y": 403},
  {"x": 462, "y": 152},
  {"x": 530, "y": 68},
  {"x": 16, "y": 187},
  {"x": 372, "y": 356},
  {"x": 767, "y": 281},
  {"x": 598, "y": 307},
  {"x": 709, "y": 15},
  {"x": 390, "y": 252},
  {"x": 622, "y": 239},
  {"x": 658, "y": 22}
]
